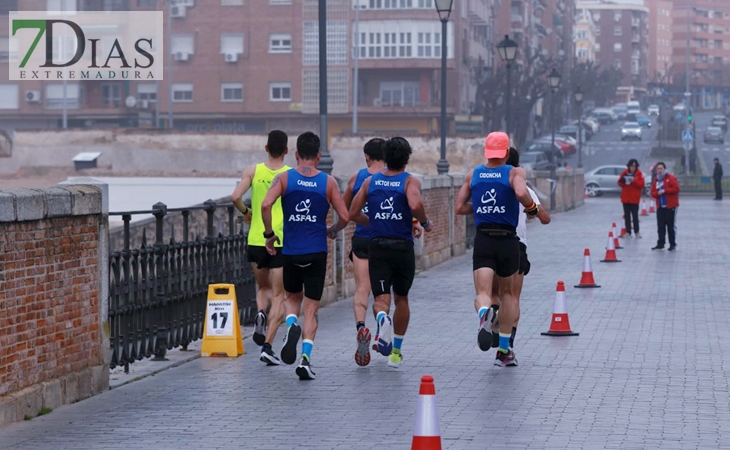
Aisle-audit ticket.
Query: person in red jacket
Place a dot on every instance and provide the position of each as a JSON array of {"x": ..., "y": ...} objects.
[
  {"x": 665, "y": 189},
  {"x": 631, "y": 182}
]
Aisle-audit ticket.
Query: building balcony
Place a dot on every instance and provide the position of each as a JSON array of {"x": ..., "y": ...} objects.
[
  {"x": 478, "y": 12},
  {"x": 432, "y": 108}
]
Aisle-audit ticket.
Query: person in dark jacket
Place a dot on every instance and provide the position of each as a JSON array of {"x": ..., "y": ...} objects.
[
  {"x": 631, "y": 182},
  {"x": 717, "y": 178},
  {"x": 665, "y": 189}
]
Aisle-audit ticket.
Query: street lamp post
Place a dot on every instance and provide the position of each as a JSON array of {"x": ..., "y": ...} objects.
[
  {"x": 554, "y": 83},
  {"x": 579, "y": 100},
  {"x": 508, "y": 51},
  {"x": 443, "y": 7},
  {"x": 325, "y": 161}
]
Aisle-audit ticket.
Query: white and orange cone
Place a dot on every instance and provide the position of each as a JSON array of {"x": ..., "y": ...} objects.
[
  {"x": 586, "y": 278},
  {"x": 616, "y": 242},
  {"x": 610, "y": 250},
  {"x": 643, "y": 208},
  {"x": 560, "y": 325},
  {"x": 427, "y": 434},
  {"x": 623, "y": 232},
  {"x": 652, "y": 206}
]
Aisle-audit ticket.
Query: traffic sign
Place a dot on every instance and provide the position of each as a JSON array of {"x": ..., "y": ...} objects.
[{"x": 687, "y": 136}]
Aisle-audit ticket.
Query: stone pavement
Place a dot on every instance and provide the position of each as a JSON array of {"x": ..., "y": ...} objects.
[{"x": 647, "y": 371}]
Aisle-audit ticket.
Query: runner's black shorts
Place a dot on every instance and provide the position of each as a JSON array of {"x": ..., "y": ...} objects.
[
  {"x": 258, "y": 254},
  {"x": 391, "y": 263},
  {"x": 500, "y": 253},
  {"x": 307, "y": 271},
  {"x": 524, "y": 262},
  {"x": 359, "y": 247}
]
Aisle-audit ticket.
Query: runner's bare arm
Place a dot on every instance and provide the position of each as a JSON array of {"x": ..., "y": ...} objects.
[
  {"x": 241, "y": 188},
  {"x": 357, "y": 204},
  {"x": 338, "y": 203},
  {"x": 347, "y": 196},
  {"x": 517, "y": 178},
  {"x": 413, "y": 194},
  {"x": 463, "y": 199}
]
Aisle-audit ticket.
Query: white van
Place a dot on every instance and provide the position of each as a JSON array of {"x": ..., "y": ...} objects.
[{"x": 633, "y": 107}]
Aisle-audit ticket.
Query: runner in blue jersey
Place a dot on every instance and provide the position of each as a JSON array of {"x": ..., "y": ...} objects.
[
  {"x": 373, "y": 151},
  {"x": 493, "y": 192},
  {"x": 393, "y": 197},
  {"x": 306, "y": 195}
]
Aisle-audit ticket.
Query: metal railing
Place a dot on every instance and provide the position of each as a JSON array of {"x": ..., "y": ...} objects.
[
  {"x": 471, "y": 230},
  {"x": 158, "y": 292}
]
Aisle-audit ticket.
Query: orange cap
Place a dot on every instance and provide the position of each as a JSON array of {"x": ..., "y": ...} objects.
[{"x": 497, "y": 145}]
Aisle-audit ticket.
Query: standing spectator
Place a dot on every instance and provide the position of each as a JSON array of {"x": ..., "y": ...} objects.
[
  {"x": 665, "y": 189},
  {"x": 631, "y": 182},
  {"x": 717, "y": 178}
]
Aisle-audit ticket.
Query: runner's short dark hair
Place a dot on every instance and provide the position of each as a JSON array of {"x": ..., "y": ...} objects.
[
  {"x": 514, "y": 157},
  {"x": 277, "y": 142},
  {"x": 396, "y": 153},
  {"x": 374, "y": 149},
  {"x": 308, "y": 145}
]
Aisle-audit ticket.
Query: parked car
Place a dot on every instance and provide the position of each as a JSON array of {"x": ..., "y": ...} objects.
[
  {"x": 605, "y": 179},
  {"x": 546, "y": 147},
  {"x": 535, "y": 161},
  {"x": 572, "y": 131},
  {"x": 719, "y": 121},
  {"x": 714, "y": 134},
  {"x": 620, "y": 111},
  {"x": 565, "y": 147},
  {"x": 653, "y": 110},
  {"x": 630, "y": 130},
  {"x": 603, "y": 115}
]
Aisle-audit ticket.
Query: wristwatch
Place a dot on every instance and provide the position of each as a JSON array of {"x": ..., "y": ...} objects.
[{"x": 269, "y": 235}]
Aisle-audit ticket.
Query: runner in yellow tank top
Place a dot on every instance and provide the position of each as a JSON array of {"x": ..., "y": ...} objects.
[{"x": 267, "y": 269}]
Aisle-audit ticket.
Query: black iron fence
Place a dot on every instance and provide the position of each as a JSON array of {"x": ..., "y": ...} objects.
[
  {"x": 471, "y": 230},
  {"x": 158, "y": 292}
]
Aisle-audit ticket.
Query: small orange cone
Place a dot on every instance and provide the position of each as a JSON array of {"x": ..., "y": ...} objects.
[
  {"x": 560, "y": 325},
  {"x": 586, "y": 278},
  {"x": 610, "y": 250},
  {"x": 616, "y": 243},
  {"x": 651, "y": 206},
  {"x": 623, "y": 232},
  {"x": 427, "y": 434},
  {"x": 585, "y": 194},
  {"x": 643, "y": 208}
]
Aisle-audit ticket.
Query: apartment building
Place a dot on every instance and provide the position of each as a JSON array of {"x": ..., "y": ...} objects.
[
  {"x": 622, "y": 34},
  {"x": 585, "y": 37},
  {"x": 251, "y": 66},
  {"x": 709, "y": 49},
  {"x": 659, "y": 61}
]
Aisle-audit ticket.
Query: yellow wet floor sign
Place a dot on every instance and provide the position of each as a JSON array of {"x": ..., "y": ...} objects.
[{"x": 221, "y": 332}]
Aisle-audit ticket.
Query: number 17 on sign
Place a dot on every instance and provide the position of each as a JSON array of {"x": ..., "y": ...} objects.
[{"x": 219, "y": 314}]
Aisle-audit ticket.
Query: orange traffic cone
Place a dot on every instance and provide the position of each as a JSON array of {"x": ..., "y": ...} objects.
[
  {"x": 623, "y": 232},
  {"x": 643, "y": 208},
  {"x": 427, "y": 434},
  {"x": 585, "y": 194},
  {"x": 616, "y": 243},
  {"x": 651, "y": 206},
  {"x": 610, "y": 250},
  {"x": 586, "y": 278},
  {"x": 560, "y": 325}
]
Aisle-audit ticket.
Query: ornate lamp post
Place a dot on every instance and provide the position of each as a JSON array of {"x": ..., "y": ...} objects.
[
  {"x": 578, "y": 94},
  {"x": 554, "y": 83},
  {"x": 443, "y": 7},
  {"x": 508, "y": 52}
]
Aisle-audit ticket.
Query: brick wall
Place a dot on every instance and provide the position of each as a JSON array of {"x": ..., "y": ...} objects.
[{"x": 51, "y": 329}]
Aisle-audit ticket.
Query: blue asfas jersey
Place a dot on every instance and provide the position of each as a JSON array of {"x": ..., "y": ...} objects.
[
  {"x": 361, "y": 230},
  {"x": 492, "y": 196},
  {"x": 305, "y": 209},
  {"x": 388, "y": 210}
]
